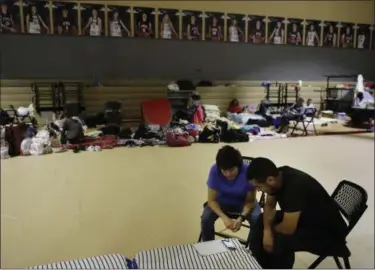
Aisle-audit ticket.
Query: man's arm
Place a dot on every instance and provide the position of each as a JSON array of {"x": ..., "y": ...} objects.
[
  {"x": 269, "y": 211},
  {"x": 213, "y": 204},
  {"x": 292, "y": 211},
  {"x": 249, "y": 203},
  {"x": 289, "y": 224}
]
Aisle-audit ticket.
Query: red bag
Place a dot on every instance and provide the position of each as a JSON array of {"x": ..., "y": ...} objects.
[
  {"x": 177, "y": 140},
  {"x": 104, "y": 142}
]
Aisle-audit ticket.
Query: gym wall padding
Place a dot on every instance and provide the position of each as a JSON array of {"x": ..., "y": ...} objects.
[
  {"x": 131, "y": 98},
  {"x": 88, "y": 58},
  {"x": 19, "y": 93},
  {"x": 356, "y": 11},
  {"x": 16, "y": 95}
]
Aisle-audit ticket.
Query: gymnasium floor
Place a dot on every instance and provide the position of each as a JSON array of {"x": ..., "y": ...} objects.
[{"x": 66, "y": 206}]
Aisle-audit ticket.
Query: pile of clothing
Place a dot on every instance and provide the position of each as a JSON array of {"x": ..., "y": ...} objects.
[{"x": 37, "y": 145}]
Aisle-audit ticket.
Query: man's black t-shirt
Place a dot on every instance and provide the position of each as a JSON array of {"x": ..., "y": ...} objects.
[{"x": 302, "y": 193}]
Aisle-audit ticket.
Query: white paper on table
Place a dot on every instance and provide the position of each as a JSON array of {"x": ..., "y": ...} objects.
[{"x": 210, "y": 247}]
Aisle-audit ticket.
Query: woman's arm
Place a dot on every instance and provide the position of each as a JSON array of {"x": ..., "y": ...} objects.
[
  {"x": 87, "y": 25},
  {"x": 173, "y": 30},
  {"x": 317, "y": 38},
  {"x": 100, "y": 25},
  {"x": 125, "y": 28},
  {"x": 27, "y": 22},
  {"x": 161, "y": 28},
  {"x": 342, "y": 39},
  {"x": 334, "y": 42},
  {"x": 42, "y": 22},
  {"x": 213, "y": 204},
  {"x": 188, "y": 31},
  {"x": 273, "y": 33}
]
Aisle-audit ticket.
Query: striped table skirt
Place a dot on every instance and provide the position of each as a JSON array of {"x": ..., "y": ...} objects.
[{"x": 187, "y": 257}]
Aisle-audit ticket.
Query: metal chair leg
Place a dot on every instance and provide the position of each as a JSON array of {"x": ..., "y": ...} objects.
[
  {"x": 347, "y": 263},
  {"x": 200, "y": 237},
  {"x": 317, "y": 262},
  {"x": 338, "y": 263}
]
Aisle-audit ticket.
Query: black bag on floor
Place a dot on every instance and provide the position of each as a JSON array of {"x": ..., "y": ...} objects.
[
  {"x": 125, "y": 133},
  {"x": 186, "y": 85},
  {"x": 205, "y": 84},
  {"x": 209, "y": 135},
  {"x": 5, "y": 119},
  {"x": 232, "y": 135}
]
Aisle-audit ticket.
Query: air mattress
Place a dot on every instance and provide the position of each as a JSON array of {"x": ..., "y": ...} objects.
[{"x": 157, "y": 112}]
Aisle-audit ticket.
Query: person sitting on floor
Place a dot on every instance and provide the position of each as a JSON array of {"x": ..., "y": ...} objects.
[
  {"x": 196, "y": 111},
  {"x": 309, "y": 219},
  {"x": 228, "y": 192},
  {"x": 292, "y": 113},
  {"x": 72, "y": 130},
  {"x": 234, "y": 107}
]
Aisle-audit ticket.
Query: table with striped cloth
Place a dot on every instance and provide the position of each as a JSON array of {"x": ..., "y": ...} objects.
[
  {"x": 187, "y": 257},
  {"x": 109, "y": 261}
]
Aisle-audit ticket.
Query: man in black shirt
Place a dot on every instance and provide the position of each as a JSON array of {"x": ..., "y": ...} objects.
[{"x": 309, "y": 219}]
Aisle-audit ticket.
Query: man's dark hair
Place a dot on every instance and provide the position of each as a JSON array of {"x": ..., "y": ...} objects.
[
  {"x": 260, "y": 169},
  {"x": 228, "y": 157}
]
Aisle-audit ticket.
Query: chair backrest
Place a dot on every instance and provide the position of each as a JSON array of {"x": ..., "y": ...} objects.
[
  {"x": 113, "y": 106},
  {"x": 263, "y": 196},
  {"x": 352, "y": 201}
]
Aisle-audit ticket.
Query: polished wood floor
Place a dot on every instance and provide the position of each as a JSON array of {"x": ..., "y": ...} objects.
[{"x": 66, "y": 206}]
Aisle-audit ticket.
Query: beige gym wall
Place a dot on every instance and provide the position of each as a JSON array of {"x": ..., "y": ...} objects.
[{"x": 356, "y": 11}]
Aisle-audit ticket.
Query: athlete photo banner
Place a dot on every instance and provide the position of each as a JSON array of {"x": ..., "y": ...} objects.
[
  {"x": 92, "y": 20},
  {"x": 10, "y": 17},
  {"x": 236, "y": 27},
  {"x": 372, "y": 42},
  {"x": 214, "y": 26},
  {"x": 119, "y": 21},
  {"x": 294, "y": 31},
  {"x": 36, "y": 17},
  {"x": 347, "y": 35},
  {"x": 257, "y": 29},
  {"x": 363, "y": 35},
  {"x": 65, "y": 18},
  {"x": 312, "y": 33},
  {"x": 192, "y": 24},
  {"x": 330, "y": 34},
  {"x": 144, "y": 22},
  {"x": 276, "y": 30},
  {"x": 169, "y": 24}
]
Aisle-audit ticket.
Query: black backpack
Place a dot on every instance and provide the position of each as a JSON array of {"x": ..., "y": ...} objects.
[
  {"x": 5, "y": 119},
  {"x": 232, "y": 135}
]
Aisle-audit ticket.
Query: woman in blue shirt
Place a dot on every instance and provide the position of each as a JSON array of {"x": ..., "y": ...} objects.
[{"x": 228, "y": 192}]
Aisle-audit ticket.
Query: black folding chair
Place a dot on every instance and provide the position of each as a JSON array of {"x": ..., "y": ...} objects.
[
  {"x": 236, "y": 215},
  {"x": 112, "y": 112},
  {"x": 306, "y": 120},
  {"x": 352, "y": 201}
]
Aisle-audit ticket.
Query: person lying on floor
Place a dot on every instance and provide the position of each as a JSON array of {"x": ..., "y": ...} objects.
[
  {"x": 228, "y": 192},
  {"x": 292, "y": 113},
  {"x": 234, "y": 107},
  {"x": 309, "y": 219},
  {"x": 72, "y": 130},
  {"x": 363, "y": 99},
  {"x": 262, "y": 111}
]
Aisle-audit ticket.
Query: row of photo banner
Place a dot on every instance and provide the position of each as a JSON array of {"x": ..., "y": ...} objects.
[{"x": 64, "y": 18}]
